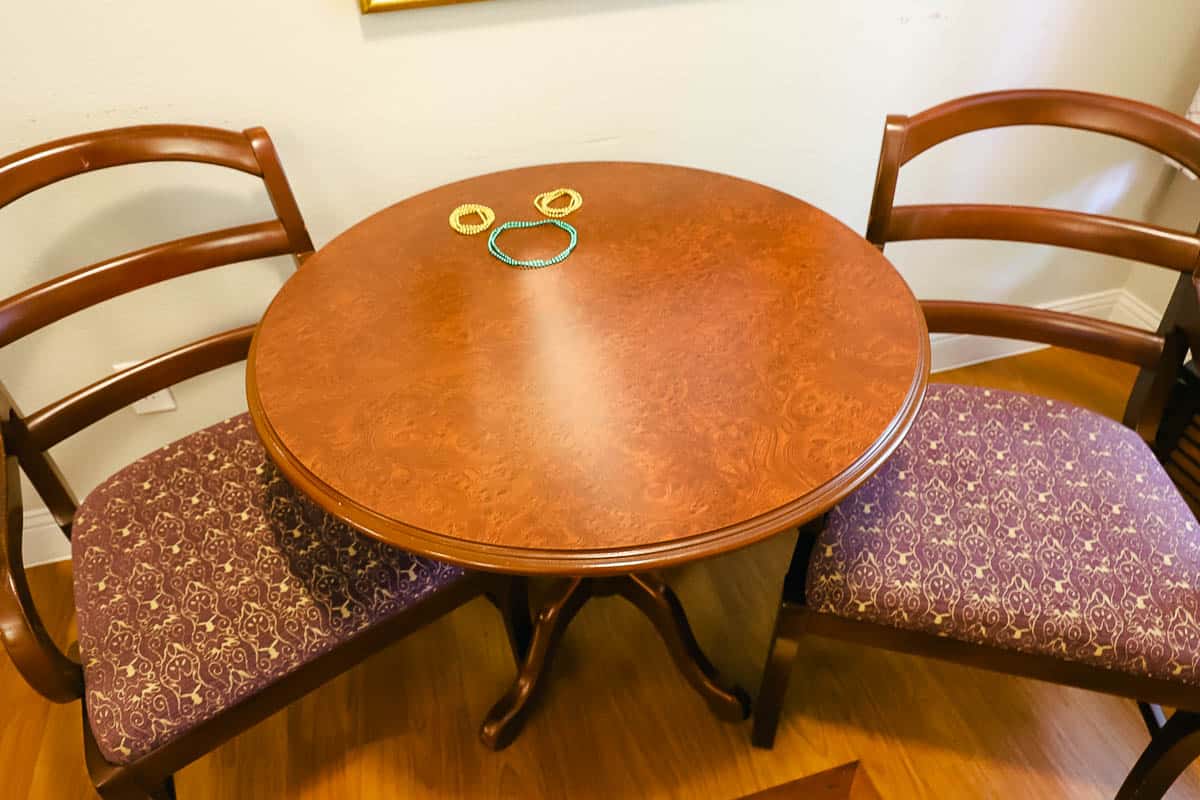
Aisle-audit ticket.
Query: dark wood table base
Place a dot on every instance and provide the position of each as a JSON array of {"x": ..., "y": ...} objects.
[{"x": 654, "y": 598}]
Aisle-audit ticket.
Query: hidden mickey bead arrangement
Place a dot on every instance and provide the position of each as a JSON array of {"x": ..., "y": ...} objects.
[{"x": 542, "y": 204}]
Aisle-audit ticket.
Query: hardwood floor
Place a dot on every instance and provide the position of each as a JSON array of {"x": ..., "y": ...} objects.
[
  {"x": 617, "y": 722},
  {"x": 1090, "y": 381}
]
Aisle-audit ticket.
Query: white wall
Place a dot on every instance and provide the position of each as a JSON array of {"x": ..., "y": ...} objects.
[
  {"x": 1175, "y": 204},
  {"x": 368, "y": 110}
]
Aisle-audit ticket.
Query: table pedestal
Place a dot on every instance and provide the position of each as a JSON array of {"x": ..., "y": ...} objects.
[{"x": 651, "y": 595}]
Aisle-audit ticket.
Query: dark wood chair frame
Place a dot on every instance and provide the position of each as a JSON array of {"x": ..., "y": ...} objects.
[
  {"x": 1175, "y": 742},
  {"x": 26, "y": 439}
]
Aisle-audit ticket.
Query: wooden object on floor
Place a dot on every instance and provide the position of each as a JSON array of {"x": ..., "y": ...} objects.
[
  {"x": 649, "y": 594},
  {"x": 847, "y": 782},
  {"x": 585, "y": 419},
  {"x": 26, "y": 439},
  {"x": 367, "y": 734},
  {"x": 675, "y": 389},
  {"x": 403, "y": 724},
  {"x": 1178, "y": 742}
]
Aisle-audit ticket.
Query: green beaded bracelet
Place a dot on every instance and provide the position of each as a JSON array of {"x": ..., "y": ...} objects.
[{"x": 536, "y": 263}]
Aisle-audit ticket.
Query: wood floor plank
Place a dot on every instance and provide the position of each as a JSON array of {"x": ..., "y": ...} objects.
[
  {"x": 1086, "y": 380},
  {"x": 618, "y": 722}
]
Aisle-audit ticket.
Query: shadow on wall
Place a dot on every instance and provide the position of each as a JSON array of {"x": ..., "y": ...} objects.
[
  {"x": 1174, "y": 202},
  {"x": 1157, "y": 203},
  {"x": 418, "y": 21}
]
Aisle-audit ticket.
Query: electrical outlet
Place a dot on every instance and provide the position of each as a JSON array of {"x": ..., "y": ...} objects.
[{"x": 155, "y": 403}]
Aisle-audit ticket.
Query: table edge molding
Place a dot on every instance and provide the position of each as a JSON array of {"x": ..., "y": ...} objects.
[{"x": 594, "y": 562}]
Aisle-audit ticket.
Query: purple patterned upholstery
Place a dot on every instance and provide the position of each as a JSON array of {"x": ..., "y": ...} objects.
[
  {"x": 1024, "y": 523},
  {"x": 202, "y": 576}
]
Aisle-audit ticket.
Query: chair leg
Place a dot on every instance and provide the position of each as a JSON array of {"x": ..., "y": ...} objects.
[
  {"x": 781, "y": 659},
  {"x": 1170, "y": 752}
]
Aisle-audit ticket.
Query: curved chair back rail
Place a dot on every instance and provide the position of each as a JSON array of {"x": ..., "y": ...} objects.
[
  {"x": 250, "y": 151},
  {"x": 55, "y": 299},
  {"x": 44, "y": 164},
  {"x": 27, "y": 439},
  {"x": 1145, "y": 124},
  {"x": 1100, "y": 337},
  {"x": 66, "y": 417},
  {"x": 906, "y": 137},
  {"x": 1160, "y": 354},
  {"x": 1136, "y": 241}
]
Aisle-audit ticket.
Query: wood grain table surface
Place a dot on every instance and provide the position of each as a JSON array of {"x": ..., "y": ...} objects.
[{"x": 716, "y": 362}]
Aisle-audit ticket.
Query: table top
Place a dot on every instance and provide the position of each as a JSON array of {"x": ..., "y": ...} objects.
[{"x": 716, "y": 362}]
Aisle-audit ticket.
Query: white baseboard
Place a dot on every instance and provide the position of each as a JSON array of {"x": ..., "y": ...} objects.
[
  {"x": 1132, "y": 310},
  {"x": 954, "y": 350},
  {"x": 44, "y": 542}
]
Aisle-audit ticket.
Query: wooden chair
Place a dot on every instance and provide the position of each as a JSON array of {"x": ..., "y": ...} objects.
[
  {"x": 1178, "y": 438},
  {"x": 209, "y": 593},
  {"x": 1012, "y": 532}
]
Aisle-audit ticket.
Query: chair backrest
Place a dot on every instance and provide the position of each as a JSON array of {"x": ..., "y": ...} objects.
[
  {"x": 25, "y": 439},
  {"x": 905, "y": 138}
]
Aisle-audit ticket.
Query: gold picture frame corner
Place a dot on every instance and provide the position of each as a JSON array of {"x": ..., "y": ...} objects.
[{"x": 376, "y": 6}]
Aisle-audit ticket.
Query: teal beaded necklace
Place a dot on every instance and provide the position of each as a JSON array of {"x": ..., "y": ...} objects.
[{"x": 536, "y": 263}]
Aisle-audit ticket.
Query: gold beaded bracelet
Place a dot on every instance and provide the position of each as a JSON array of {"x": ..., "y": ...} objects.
[
  {"x": 542, "y": 202},
  {"x": 486, "y": 216}
]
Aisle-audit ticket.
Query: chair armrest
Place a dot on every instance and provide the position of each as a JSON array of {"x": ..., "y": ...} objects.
[{"x": 46, "y": 668}]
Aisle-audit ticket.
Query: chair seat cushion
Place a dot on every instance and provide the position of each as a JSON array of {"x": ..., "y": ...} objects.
[
  {"x": 1023, "y": 523},
  {"x": 202, "y": 576}
]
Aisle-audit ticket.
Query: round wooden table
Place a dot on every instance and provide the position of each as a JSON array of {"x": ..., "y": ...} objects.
[{"x": 716, "y": 362}]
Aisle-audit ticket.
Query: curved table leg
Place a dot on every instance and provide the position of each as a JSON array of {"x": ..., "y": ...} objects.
[
  {"x": 650, "y": 595},
  {"x": 510, "y": 595},
  {"x": 504, "y": 721},
  {"x": 654, "y": 598}
]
